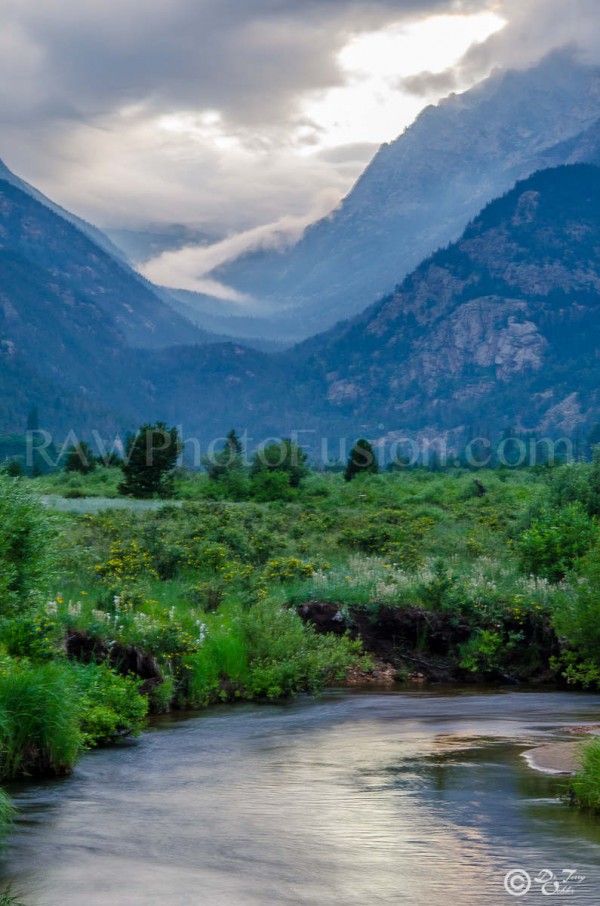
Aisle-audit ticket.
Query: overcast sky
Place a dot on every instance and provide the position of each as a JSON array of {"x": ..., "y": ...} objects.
[{"x": 239, "y": 114}]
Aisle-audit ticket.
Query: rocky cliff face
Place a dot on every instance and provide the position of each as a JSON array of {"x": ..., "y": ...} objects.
[
  {"x": 420, "y": 191},
  {"x": 502, "y": 326}
]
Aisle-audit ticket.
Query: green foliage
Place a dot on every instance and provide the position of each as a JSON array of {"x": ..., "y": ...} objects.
[
  {"x": 102, "y": 482},
  {"x": 109, "y": 705},
  {"x": 286, "y": 657},
  {"x": 7, "y": 812},
  {"x": 15, "y": 469},
  {"x": 554, "y": 541},
  {"x": 227, "y": 462},
  {"x": 398, "y": 534},
  {"x": 586, "y": 785},
  {"x": 25, "y": 548},
  {"x": 80, "y": 458},
  {"x": 268, "y": 486},
  {"x": 593, "y": 503},
  {"x": 362, "y": 460},
  {"x": 151, "y": 457},
  {"x": 219, "y": 670},
  {"x": 39, "y": 729},
  {"x": 285, "y": 459},
  {"x": 487, "y": 649},
  {"x": 577, "y": 620},
  {"x": 441, "y": 592},
  {"x": 7, "y": 898},
  {"x": 34, "y": 636},
  {"x": 287, "y": 569},
  {"x": 204, "y": 592}
]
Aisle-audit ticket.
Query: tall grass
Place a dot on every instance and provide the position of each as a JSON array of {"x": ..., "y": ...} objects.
[
  {"x": 7, "y": 811},
  {"x": 39, "y": 728},
  {"x": 220, "y": 668},
  {"x": 586, "y": 785},
  {"x": 7, "y": 898}
]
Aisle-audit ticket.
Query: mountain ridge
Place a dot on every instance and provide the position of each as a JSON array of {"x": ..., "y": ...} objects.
[
  {"x": 420, "y": 191},
  {"x": 499, "y": 328}
]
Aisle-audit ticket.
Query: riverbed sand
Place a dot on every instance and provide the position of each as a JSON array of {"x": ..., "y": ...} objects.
[{"x": 555, "y": 757}]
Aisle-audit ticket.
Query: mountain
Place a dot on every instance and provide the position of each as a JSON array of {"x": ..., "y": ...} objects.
[
  {"x": 131, "y": 246},
  {"x": 92, "y": 232},
  {"x": 88, "y": 342},
  {"x": 50, "y": 245},
  {"x": 74, "y": 322},
  {"x": 420, "y": 191},
  {"x": 501, "y": 327},
  {"x": 497, "y": 329}
]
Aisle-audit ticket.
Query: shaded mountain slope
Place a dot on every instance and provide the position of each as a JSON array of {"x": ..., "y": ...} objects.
[
  {"x": 502, "y": 326},
  {"x": 32, "y": 232},
  {"x": 97, "y": 236}
]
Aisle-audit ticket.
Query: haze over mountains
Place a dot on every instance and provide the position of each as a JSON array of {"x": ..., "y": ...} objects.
[
  {"x": 417, "y": 194},
  {"x": 499, "y": 328}
]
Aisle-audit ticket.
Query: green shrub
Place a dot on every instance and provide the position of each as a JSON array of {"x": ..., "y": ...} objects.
[
  {"x": 109, "y": 705},
  {"x": 268, "y": 486},
  {"x": 283, "y": 458},
  {"x": 554, "y": 541},
  {"x": 25, "y": 548},
  {"x": 487, "y": 649},
  {"x": 287, "y": 657},
  {"x": 576, "y": 619},
  {"x": 30, "y": 636}
]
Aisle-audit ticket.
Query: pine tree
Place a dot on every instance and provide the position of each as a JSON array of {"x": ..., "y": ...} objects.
[
  {"x": 362, "y": 460},
  {"x": 80, "y": 458},
  {"x": 151, "y": 457}
]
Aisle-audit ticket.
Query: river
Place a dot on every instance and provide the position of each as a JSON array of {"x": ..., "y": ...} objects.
[{"x": 418, "y": 798}]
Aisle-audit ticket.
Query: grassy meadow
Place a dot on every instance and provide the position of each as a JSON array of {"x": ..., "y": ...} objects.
[{"x": 113, "y": 609}]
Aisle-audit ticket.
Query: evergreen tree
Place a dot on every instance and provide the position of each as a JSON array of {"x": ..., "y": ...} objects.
[
  {"x": 15, "y": 469},
  {"x": 151, "y": 457},
  {"x": 80, "y": 458},
  {"x": 227, "y": 461},
  {"x": 362, "y": 460}
]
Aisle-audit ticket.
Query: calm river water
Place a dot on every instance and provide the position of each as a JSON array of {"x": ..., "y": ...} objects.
[{"x": 416, "y": 798}]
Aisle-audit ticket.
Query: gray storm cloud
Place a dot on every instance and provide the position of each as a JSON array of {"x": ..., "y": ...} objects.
[
  {"x": 84, "y": 87},
  {"x": 88, "y": 92},
  {"x": 535, "y": 28},
  {"x": 248, "y": 59}
]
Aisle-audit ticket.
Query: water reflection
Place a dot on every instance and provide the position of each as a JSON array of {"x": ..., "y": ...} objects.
[{"x": 415, "y": 798}]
